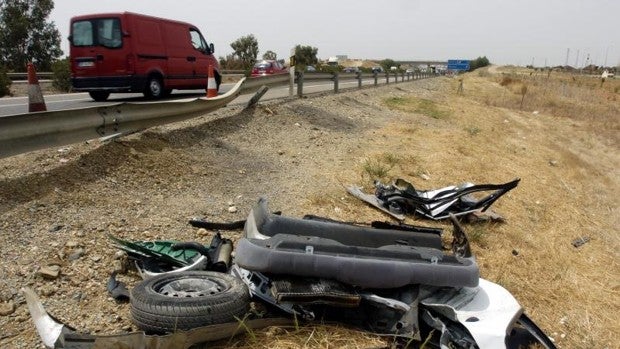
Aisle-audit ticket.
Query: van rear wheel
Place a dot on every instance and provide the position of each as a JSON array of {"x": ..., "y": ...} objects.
[
  {"x": 99, "y": 96},
  {"x": 154, "y": 88}
]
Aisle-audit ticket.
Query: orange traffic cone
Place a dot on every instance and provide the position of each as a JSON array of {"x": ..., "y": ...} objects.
[
  {"x": 35, "y": 96},
  {"x": 211, "y": 84}
]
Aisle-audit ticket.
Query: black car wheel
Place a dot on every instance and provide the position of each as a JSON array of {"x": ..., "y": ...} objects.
[
  {"x": 154, "y": 88},
  {"x": 99, "y": 96},
  {"x": 186, "y": 300}
]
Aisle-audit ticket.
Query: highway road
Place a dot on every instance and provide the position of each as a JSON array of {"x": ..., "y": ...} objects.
[{"x": 19, "y": 105}]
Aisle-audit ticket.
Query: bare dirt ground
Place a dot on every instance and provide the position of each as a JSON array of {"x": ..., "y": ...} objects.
[{"x": 560, "y": 137}]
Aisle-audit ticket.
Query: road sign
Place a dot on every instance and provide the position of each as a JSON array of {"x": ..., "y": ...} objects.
[{"x": 458, "y": 64}]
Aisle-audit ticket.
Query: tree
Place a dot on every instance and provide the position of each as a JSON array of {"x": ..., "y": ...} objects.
[
  {"x": 478, "y": 63},
  {"x": 388, "y": 63},
  {"x": 25, "y": 34},
  {"x": 5, "y": 82},
  {"x": 61, "y": 78},
  {"x": 270, "y": 55},
  {"x": 305, "y": 56},
  {"x": 246, "y": 49}
]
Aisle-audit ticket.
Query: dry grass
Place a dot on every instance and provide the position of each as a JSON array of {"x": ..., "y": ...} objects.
[
  {"x": 567, "y": 157},
  {"x": 323, "y": 336}
]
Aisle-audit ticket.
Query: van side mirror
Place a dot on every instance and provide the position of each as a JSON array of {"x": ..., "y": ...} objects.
[
  {"x": 211, "y": 48},
  {"x": 70, "y": 38}
]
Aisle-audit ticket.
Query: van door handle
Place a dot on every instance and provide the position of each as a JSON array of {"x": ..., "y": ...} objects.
[
  {"x": 191, "y": 59},
  {"x": 100, "y": 57}
]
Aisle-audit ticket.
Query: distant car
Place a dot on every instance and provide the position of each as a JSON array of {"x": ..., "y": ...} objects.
[
  {"x": 268, "y": 67},
  {"x": 310, "y": 68},
  {"x": 377, "y": 70},
  {"x": 409, "y": 71}
]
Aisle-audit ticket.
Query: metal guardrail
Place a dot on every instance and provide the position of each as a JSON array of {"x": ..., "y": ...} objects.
[{"x": 27, "y": 132}]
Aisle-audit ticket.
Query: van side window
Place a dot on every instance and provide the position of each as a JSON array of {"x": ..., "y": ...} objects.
[
  {"x": 198, "y": 42},
  {"x": 109, "y": 33},
  {"x": 82, "y": 33}
]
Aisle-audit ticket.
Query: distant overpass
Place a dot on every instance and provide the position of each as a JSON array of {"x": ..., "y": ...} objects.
[{"x": 418, "y": 63}]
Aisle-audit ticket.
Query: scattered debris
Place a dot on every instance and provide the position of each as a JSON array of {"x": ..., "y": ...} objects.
[
  {"x": 117, "y": 289},
  {"x": 580, "y": 241},
  {"x": 402, "y": 198},
  {"x": 390, "y": 279}
]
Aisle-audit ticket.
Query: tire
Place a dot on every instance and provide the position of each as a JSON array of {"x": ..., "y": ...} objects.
[
  {"x": 154, "y": 88},
  {"x": 218, "y": 81},
  {"x": 99, "y": 96},
  {"x": 187, "y": 300}
]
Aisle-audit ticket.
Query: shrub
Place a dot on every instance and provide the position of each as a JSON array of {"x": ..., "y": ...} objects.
[
  {"x": 61, "y": 75},
  {"x": 5, "y": 82}
]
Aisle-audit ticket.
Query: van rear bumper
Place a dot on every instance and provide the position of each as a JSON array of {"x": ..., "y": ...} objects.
[{"x": 130, "y": 83}]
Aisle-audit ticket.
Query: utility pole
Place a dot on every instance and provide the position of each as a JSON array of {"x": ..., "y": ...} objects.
[
  {"x": 567, "y": 53},
  {"x": 577, "y": 60}
]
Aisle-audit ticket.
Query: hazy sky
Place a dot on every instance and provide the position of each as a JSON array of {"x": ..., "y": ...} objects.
[{"x": 507, "y": 32}]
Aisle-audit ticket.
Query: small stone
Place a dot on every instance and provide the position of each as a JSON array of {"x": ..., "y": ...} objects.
[
  {"x": 297, "y": 124},
  {"x": 202, "y": 232},
  {"x": 47, "y": 290},
  {"x": 120, "y": 255},
  {"x": 7, "y": 308},
  {"x": 515, "y": 252},
  {"x": 96, "y": 259},
  {"x": 76, "y": 254},
  {"x": 232, "y": 209},
  {"x": 50, "y": 272},
  {"x": 553, "y": 163},
  {"x": 425, "y": 177},
  {"x": 72, "y": 243},
  {"x": 119, "y": 266},
  {"x": 80, "y": 234},
  {"x": 280, "y": 152},
  {"x": 55, "y": 228}
]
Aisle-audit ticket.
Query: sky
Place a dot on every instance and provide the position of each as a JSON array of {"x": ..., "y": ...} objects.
[{"x": 518, "y": 32}]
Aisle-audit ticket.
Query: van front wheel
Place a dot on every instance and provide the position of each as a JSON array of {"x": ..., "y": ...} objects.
[
  {"x": 154, "y": 88},
  {"x": 99, "y": 96}
]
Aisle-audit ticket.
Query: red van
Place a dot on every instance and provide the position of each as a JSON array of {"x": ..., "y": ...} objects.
[{"x": 130, "y": 52}]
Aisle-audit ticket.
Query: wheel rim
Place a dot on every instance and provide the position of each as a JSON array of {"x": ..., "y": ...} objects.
[
  {"x": 189, "y": 288},
  {"x": 155, "y": 87}
]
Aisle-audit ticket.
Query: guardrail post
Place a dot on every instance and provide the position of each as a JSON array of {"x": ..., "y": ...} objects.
[
  {"x": 300, "y": 84},
  {"x": 375, "y": 75},
  {"x": 387, "y": 78},
  {"x": 395, "y": 77},
  {"x": 336, "y": 82},
  {"x": 402, "y": 77},
  {"x": 359, "y": 79}
]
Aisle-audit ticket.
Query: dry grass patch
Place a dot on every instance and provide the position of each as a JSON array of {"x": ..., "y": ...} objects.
[{"x": 418, "y": 105}]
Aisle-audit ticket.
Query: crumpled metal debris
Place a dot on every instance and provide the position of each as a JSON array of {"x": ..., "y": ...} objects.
[{"x": 401, "y": 198}]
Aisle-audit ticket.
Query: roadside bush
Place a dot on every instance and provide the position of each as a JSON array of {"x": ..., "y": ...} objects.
[
  {"x": 5, "y": 82},
  {"x": 478, "y": 63},
  {"x": 61, "y": 75}
]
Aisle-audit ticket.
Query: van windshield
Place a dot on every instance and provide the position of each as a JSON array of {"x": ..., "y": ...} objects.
[{"x": 97, "y": 32}]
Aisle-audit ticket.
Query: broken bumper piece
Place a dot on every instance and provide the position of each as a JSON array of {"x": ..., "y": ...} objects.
[{"x": 59, "y": 336}]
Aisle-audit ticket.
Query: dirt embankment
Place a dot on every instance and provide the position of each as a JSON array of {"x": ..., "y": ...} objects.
[{"x": 58, "y": 205}]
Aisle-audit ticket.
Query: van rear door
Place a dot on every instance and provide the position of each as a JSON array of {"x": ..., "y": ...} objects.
[{"x": 100, "y": 54}]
